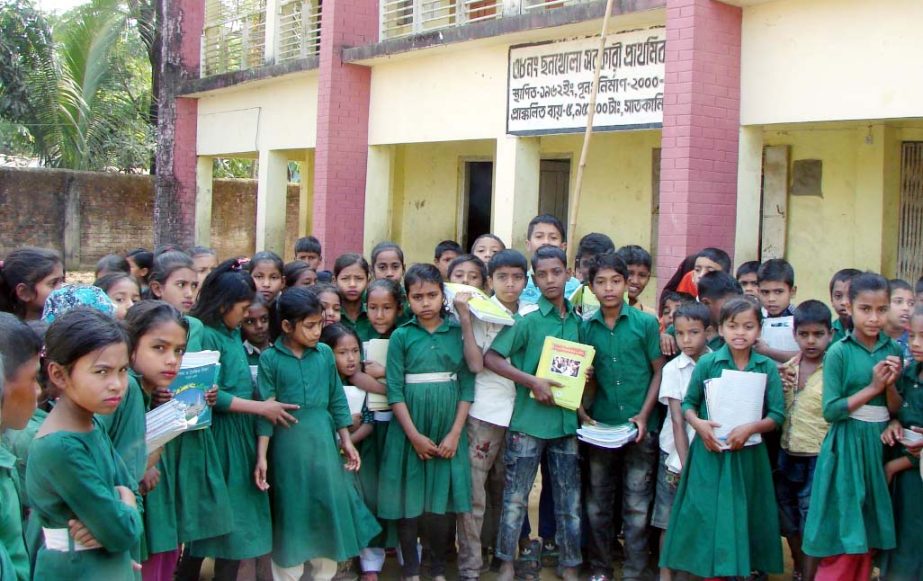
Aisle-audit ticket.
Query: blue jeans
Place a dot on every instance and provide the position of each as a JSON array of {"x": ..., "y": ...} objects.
[
  {"x": 547, "y": 528},
  {"x": 635, "y": 466},
  {"x": 522, "y": 456}
]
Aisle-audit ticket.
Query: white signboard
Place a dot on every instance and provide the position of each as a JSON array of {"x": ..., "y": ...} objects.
[{"x": 550, "y": 84}]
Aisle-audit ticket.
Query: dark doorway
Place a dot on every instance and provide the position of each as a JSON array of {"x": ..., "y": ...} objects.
[
  {"x": 479, "y": 179},
  {"x": 554, "y": 188}
]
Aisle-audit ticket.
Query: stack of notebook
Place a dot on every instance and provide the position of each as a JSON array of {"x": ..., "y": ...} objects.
[
  {"x": 164, "y": 423},
  {"x": 608, "y": 436}
]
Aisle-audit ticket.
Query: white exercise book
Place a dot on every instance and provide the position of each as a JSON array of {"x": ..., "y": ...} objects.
[{"x": 734, "y": 399}]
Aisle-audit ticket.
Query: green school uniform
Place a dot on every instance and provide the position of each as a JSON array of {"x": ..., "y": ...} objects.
[
  {"x": 839, "y": 330},
  {"x": 160, "y": 503},
  {"x": 306, "y": 471},
  {"x": 905, "y": 561},
  {"x": 18, "y": 442},
  {"x": 126, "y": 427},
  {"x": 73, "y": 475},
  {"x": 725, "y": 521},
  {"x": 622, "y": 366},
  {"x": 7, "y": 569},
  {"x": 11, "y": 534},
  {"x": 361, "y": 324},
  {"x": 235, "y": 440},
  {"x": 408, "y": 486},
  {"x": 523, "y": 343},
  {"x": 850, "y": 504}
]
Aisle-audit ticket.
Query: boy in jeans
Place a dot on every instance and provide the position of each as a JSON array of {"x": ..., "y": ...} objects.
[
  {"x": 537, "y": 425},
  {"x": 626, "y": 371}
]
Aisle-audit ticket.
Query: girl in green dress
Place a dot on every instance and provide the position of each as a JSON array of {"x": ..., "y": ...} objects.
[
  {"x": 724, "y": 521},
  {"x": 351, "y": 273},
  {"x": 851, "y": 512},
  {"x": 223, "y": 301},
  {"x": 302, "y": 462},
  {"x": 430, "y": 389},
  {"x": 73, "y": 472}
]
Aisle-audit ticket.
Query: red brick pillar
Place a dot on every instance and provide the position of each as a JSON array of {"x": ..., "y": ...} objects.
[
  {"x": 342, "y": 127},
  {"x": 701, "y": 121}
]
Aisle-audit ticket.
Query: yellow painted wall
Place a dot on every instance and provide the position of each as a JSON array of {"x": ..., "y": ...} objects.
[
  {"x": 276, "y": 114},
  {"x": 819, "y": 60}
]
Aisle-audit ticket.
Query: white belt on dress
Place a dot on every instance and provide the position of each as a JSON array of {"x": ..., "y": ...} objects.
[
  {"x": 382, "y": 416},
  {"x": 437, "y": 377},
  {"x": 60, "y": 540},
  {"x": 871, "y": 413}
]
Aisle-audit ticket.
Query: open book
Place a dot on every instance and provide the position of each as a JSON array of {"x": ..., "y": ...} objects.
[
  {"x": 479, "y": 304},
  {"x": 734, "y": 399},
  {"x": 197, "y": 374},
  {"x": 377, "y": 350},
  {"x": 565, "y": 362}
]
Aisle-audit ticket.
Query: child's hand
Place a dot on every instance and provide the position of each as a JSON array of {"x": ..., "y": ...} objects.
[
  {"x": 914, "y": 447},
  {"x": 542, "y": 390},
  {"x": 150, "y": 480},
  {"x": 161, "y": 396},
  {"x": 589, "y": 372},
  {"x": 353, "y": 461},
  {"x": 374, "y": 369},
  {"x": 667, "y": 345},
  {"x": 893, "y": 433},
  {"x": 760, "y": 346},
  {"x": 585, "y": 417},
  {"x": 259, "y": 474},
  {"x": 211, "y": 396},
  {"x": 881, "y": 376},
  {"x": 81, "y": 534},
  {"x": 424, "y": 447},
  {"x": 706, "y": 430},
  {"x": 127, "y": 496},
  {"x": 357, "y": 421},
  {"x": 461, "y": 304},
  {"x": 897, "y": 368},
  {"x": 449, "y": 445},
  {"x": 277, "y": 412},
  {"x": 892, "y": 468},
  {"x": 642, "y": 427},
  {"x": 738, "y": 437},
  {"x": 789, "y": 377}
]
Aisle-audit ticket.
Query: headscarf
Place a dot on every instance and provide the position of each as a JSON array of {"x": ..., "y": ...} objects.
[{"x": 70, "y": 297}]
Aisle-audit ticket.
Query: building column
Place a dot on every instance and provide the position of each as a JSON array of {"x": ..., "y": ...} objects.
[
  {"x": 306, "y": 194},
  {"x": 203, "y": 201},
  {"x": 701, "y": 121},
  {"x": 515, "y": 197},
  {"x": 749, "y": 190},
  {"x": 342, "y": 126},
  {"x": 271, "y": 193},
  {"x": 379, "y": 195},
  {"x": 877, "y": 198}
]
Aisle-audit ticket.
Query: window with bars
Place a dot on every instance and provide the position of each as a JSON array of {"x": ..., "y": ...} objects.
[
  {"x": 910, "y": 241},
  {"x": 234, "y": 37}
]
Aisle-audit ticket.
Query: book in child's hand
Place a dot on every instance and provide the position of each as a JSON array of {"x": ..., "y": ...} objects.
[
  {"x": 565, "y": 362},
  {"x": 355, "y": 397},
  {"x": 584, "y": 301},
  {"x": 197, "y": 375},
  {"x": 734, "y": 399},
  {"x": 377, "y": 350},
  {"x": 479, "y": 304}
]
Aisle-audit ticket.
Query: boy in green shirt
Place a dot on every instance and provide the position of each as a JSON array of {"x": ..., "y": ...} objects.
[
  {"x": 627, "y": 371},
  {"x": 538, "y": 425}
]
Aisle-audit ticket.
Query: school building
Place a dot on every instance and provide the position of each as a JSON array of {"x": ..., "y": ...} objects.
[{"x": 766, "y": 127}]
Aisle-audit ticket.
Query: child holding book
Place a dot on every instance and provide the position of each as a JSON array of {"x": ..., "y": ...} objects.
[
  {"x": 851, "y": 511},
  {"x": 468, "y": 269},
  {"x": 724, "y": 521},
  {"x": 627, "y": 370}
]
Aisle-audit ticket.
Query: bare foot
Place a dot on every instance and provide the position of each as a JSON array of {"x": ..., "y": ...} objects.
[
  {"x": 507, "y": 573},
  {"x": 570, "y": 574}
]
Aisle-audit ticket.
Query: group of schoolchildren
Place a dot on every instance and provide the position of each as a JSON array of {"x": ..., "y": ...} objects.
[{"x": 448, "y": 465}]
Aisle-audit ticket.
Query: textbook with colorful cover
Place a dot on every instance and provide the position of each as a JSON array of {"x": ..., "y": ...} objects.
[
  {"x": 197, "y": 374},
  {"x": 584, "y": 301},
  {"x": 377, "y": 350},
  {"x": 565, "y": 362},
  {"x": 479, "y": 304}
]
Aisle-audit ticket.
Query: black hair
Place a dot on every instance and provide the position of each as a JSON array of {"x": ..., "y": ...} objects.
[
  {"x": 547, "y": 219},
  {"x": 868, "y": 282},
  {"x": 26, "y": 266},
  {"x": 168, "y": 247},
  {"x": 477, "y": 262},
  {"x": 259, "y": 299},
  {"x": 293, "y": 271},
  {"x": 201, "y": 251},
  {"x": 326, "y": 287},
  {"x": 420, "y": 273},
  {"x": 142, "y": 257},
  {"x": 548, "y": 252},
  {"x": 18, "y": 344},
  {"x": 607, "y": 261},
  {"x": 350, "y": 259},
  {"x": 594, "y": 244},
  {"x": 308, "y": 244},
  {"x": 749, "y": 267},
  {"x": 812, "y": 313},
  {"x": 166, "y": 264},
  {"x": 507, "y": 258},
  {"x": 112, "y": 263},
  {"x": 384, "y": 247},
  {"x": 738, "y": 306},
  {"x": 717, "y": 256},
  {"x": 899, "y": 284},
  {"x": 777, "y": 270},
  {"x": 635, "y": 255},
  {"x": 488, "y": 235},
  {"x": 694, "y": 312},
  {"x": 390, "y": 286},
  {"x": 447, "y": 246},
  {"x": 146, "y": 315},
  {"x": 80, "y": 332},
  {"x": 110, "y": 280},
  {"x": 332, "y": 334},
  {"x": 918, "y": 288},
  {"x": 844, "y": 275},
  {"x": 224, "y": 287},
  {"x": 717, "y": 285},
  {"x": 266, "y": 256},
  {"x": 681, "y": 298},
  {"x": 296, "y": 303}
]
